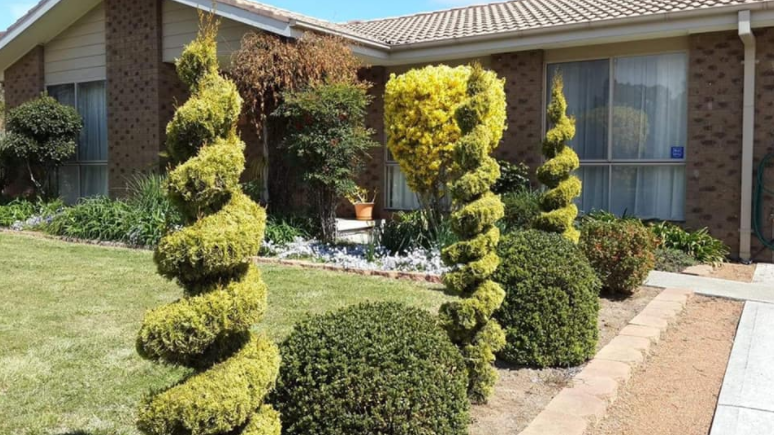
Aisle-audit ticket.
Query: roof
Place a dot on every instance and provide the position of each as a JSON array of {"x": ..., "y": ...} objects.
[{"x": 520, "y": 15}]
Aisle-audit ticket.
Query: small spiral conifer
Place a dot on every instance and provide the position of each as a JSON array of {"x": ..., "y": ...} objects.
[
  {"x": 558, "y": 211},
  {"x": 474, "y": 258},
  {"x": 208, "y": 330}
]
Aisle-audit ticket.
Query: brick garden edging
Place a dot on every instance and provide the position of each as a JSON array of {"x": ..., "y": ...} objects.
[
  {"x": 580, "y": 407},
  {"x": 391, "y": 274}
]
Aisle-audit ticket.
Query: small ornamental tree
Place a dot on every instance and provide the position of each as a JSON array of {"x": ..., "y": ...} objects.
[
  {"x": 419, "y": 111},
  {"x": 209, "y": 330},
  {"x": 481, "y": 120},
  {"x": 326, "y": 135},
  {"x": 558, "y": 212},
  {"x": 41, "y": 135}
]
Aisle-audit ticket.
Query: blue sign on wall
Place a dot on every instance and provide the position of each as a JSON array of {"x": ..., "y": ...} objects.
[{"x": 678, "y": 152}]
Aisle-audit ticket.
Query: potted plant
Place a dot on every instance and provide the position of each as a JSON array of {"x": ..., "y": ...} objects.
[{"x": 364, "y": 209}]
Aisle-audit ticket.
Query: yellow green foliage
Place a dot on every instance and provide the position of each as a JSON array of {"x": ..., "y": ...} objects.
[
  {"x": 209, "y": 329},
  {"x": 481, "y": 119},
  {"x": 558, "y": 212}
]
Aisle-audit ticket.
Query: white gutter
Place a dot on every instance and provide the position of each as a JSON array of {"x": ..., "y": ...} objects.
[{"x": 748, "y": 134}]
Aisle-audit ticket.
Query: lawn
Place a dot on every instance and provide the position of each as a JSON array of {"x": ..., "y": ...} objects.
[{"x": 69, "y": 314}]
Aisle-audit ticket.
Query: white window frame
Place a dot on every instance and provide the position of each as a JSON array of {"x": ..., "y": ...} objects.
[
  {"x": 77, "y": 163},
  {"x": 610, "y": 162}
]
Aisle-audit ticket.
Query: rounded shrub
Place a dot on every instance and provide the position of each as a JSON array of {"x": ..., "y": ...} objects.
[
  {"x": 372, "y": 369},
  {"x": 552, "y": 300},
  {"x": 622, "y": 253}
]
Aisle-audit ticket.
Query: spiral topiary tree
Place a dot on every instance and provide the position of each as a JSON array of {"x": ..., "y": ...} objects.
[
  {"x": 558, "y": 211},
  {"x": 208, "y": 330},
  {"x": 474, "y": 258}
]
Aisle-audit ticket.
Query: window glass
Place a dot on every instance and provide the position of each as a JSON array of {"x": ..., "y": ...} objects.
[
  {"x": 587, "y": 91},
  {"x": 649, "y": 192},
  {"x": 596, "y": 185},
  {"x": 91, "y": 106},
  {"x": 399, "y": 195},
  {"x": 649, "y": 107},
  {"x": 65, "y": 94}
]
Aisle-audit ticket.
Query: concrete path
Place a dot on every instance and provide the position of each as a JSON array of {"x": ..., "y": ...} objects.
[
  {"x": 757, "y": 292},
  {"x": 764, "y": 274},
  {"x": 746, "y": 403}
]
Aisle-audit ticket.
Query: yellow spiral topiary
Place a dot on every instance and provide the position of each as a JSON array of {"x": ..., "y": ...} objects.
[
  {"x": 481, "y": 119},
  {"x": 209, "y": 329},
  {"x": 558, "y": 211}
]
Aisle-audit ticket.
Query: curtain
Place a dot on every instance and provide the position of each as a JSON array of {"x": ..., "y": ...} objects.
[
  {"x": 594, "y": 195},
  {"x": 649, "y": 192},
  {"x": 91, "y": 106},
  {"x": 93, "y": 180},
  {"x": 399, "y": 196},
  {"x": 649, "y": 106},
  {"x": 587, "y": 91}
]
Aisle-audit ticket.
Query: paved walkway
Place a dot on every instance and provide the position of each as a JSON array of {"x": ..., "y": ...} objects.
[
  {"x": 757, "y": 292},
  {"x": 746, "y": 402}
]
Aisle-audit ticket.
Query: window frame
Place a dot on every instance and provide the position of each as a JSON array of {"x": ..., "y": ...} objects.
[
  {"x": 610, "y": 162},
  {"x": 76, "y": 162}
]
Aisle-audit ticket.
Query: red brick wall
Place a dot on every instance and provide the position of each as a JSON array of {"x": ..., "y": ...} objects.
[
  {"x": 713, "y": 171},
  {"x": 764, "y": 129},
  {"x": 25, "y": 80},
  {"x": 374, "y": 174},
  {"x": 134, "y": 71},
  {"x": 523, "y": 73}
]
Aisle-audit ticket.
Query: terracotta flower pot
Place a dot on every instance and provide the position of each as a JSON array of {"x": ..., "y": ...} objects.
[{"x": 364, "y": 211}]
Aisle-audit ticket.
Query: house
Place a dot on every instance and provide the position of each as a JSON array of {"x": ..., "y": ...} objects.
[{"x": 674, "y": 99}]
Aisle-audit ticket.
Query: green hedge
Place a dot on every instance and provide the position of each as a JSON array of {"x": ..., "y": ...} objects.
[
  {"x": 372, "y": 369},
  {"x": 551, "y": 304}
]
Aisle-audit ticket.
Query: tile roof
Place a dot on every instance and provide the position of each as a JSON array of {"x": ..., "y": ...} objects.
[{"x": 511, "y": 16}]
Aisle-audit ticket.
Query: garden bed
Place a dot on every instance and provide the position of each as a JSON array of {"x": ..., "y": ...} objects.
[
  {"x": 676, "y": 392},
  {"x": 522, "y": 393}
]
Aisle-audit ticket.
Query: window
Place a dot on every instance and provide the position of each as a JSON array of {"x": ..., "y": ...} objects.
[
  {"x": 86, "y": 173},
  {"x": 399, "y": 195},
  {"x": 631, "y": 132}
]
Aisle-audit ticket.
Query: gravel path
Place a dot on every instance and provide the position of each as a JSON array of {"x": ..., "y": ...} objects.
[{"x": 676, "y": 391}]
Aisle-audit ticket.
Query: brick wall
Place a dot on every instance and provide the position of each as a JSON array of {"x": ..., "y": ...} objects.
[
  {"x": 764, "y": 130},
  {"x": 373, "y": 177},
  {"x": 713, "y": 171},
  {"x": 523, "y": 73},
  {"x": 134, "y": 70},
  {"x": 24, "y": 80}
]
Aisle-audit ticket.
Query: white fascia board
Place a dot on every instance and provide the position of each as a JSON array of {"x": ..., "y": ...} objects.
[
  {"x": 273, "y": 25},
  {"x": 28, "y": 21}
]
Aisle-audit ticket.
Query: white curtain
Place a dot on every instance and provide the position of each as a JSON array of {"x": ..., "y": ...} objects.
[
  {"x": 649, "y": 192},
  {"x": 649, "y": 106},
  {"x": 399, "y": 196},
  {"x": 587, "y": 91},
  {"x": 91, "y": 106},
  {"x": 594, "y": 195}
]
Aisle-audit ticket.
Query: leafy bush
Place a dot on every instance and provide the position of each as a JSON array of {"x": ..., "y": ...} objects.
[
  {"x": 328, "y": 138},
  {"x": 698, "y": 244},
  {"x": 372, "y": 369},
  {"x": 552, "y": 300},
  {"x": 141, "y": 219},
  {"x": 621, "y": 252},
  {"x": 282, "y": 230},
  {"x": 514, "y": 178},
  {"x": 557, "y": 203},
  {"x": 16, "y": 210},
  {"x": 41, "y": 135},
  {"x": 407, "y": 231},
  {"x": 521, "y": 209},
  {"x": 672, "y": 260}
]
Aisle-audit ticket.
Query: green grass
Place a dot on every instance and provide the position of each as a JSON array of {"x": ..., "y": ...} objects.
[{"x": 69, "y": 314}]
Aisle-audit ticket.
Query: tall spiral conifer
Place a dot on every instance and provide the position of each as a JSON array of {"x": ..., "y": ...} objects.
[
  {"x": 468, "y": 321},
  {"x": 558, "y": 211},
  {"x": 208, "y": 330}
]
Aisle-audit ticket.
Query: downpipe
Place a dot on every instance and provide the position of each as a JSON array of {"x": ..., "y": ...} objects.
[{"x": 748, "y": 135}]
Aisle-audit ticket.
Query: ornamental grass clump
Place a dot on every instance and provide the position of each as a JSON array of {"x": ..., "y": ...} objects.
[
  {"x": 481, "y": 120},
  {"x": 208, "y": 330},
  {"x": 558, "y": 212}
]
